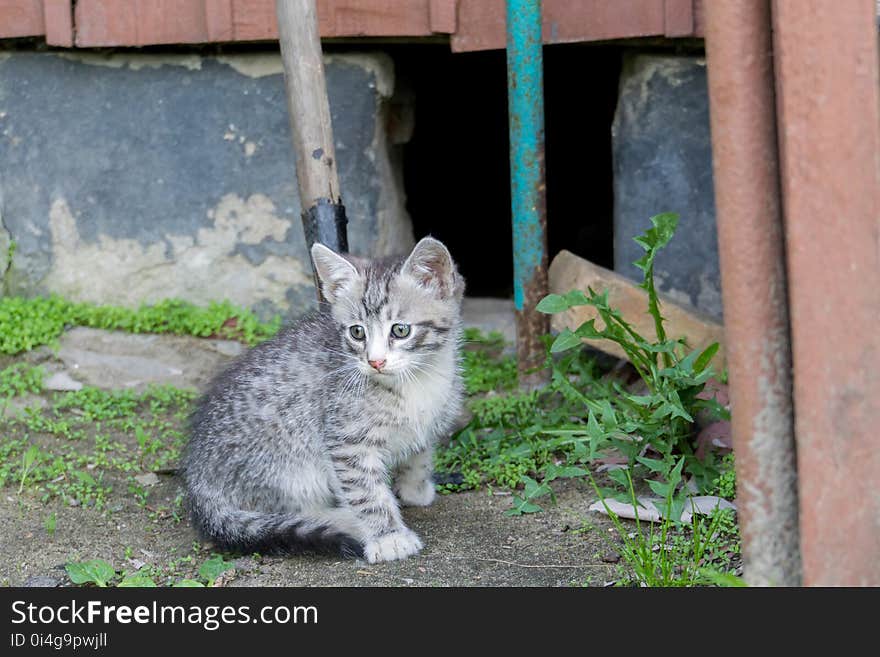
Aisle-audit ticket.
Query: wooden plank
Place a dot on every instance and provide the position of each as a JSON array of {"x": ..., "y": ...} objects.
[
  {"x": 678, "y": 18},
  {"x": 170, "y": 21},
  {"x": 58, "y": 17},
  {"x": 474, "y": 24},
  {"x": 381, "y": 18},
  {"x": 218, "y": 20},
  {"x": 140, "y": 22},
  {"x": 112, "y": 23},
  {"x": 21, "y": 18},
  {"x": 481, "y": 22},
  {"x": 255, "y": 20},
  {"x": 101, "y": 23},
  {"x": 699, "y": 19},
  {"x": 442, "y": 16},
  {"x": 571, "y": 272}
]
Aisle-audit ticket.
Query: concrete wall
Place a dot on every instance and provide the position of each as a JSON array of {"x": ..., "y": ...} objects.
[{"x": 130, "y": 178}]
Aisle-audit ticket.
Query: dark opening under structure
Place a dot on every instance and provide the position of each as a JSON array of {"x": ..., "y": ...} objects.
[{"x": 456, "y": 167}]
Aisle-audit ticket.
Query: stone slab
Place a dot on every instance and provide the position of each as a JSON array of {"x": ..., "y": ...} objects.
[
  {"x": 116, "y": 360},
  {"x": 663, "y": 163}
]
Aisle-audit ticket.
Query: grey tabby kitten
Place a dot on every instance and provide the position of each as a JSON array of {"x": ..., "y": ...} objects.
[{"x": 293, "y": 446}]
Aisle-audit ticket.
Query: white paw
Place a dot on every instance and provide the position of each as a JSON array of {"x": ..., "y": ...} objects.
[
  {"x": 416, "y": 493},
  {"x": 397, "y": 545}
]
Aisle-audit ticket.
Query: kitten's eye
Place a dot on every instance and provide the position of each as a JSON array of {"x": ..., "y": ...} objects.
[
  {"x": 400, "y": 330},
  {"x": 357, "y": 332}
]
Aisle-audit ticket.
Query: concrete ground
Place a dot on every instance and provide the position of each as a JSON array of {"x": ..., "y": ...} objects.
[{"x": 468, "y": 542}]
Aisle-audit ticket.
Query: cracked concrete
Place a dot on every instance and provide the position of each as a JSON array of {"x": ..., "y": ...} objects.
[
  {"x": 189, "y": 191},
  {"x": 127, "y": 272}
]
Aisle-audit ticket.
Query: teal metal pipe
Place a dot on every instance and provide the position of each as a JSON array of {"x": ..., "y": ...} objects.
[{"x": 525, "y": 85}]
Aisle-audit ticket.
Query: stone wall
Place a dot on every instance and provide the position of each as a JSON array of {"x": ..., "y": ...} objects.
[
  {"x": 663, "y": 163},
  {"x": 130, "y": 178}
]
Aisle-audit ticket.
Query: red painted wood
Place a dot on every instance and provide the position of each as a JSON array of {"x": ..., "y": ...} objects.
[
  {"x": 170, "y": 21},
  {"x": 218, "y": 20},
  {"x": 381, "y": 18},
  {"x": 58, "y": 17},
  {"x": 699, "y": 19},
  {"x": 442, "y": 15},
  {"x": 112, "y": 23},
  {"x": 473, "y": 24},
  {"x": 254, "y": 20},
  {"x": 481, "y": 23},
  {"x": 21, "y": 18},
  {"x": 678, "y": 18},
  {"x": 100, "y": 23},
  {"x": 140, "y": 22}
]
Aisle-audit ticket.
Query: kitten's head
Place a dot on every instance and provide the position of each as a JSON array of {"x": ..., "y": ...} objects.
[{"x": 394, "y": 314}]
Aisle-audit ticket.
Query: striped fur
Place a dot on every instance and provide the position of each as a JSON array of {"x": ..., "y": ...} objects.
[{"x": 293, "y": 448}]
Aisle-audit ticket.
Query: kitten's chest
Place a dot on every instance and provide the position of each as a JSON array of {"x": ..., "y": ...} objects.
[
  {"x": 422, "y": 401},
  {"x": 418, "y": 412}
]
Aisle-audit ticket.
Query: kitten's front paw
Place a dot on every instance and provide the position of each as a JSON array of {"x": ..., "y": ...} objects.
[
  {"x": 416, "y": 493},
  {"x": 400, "y": 544}
]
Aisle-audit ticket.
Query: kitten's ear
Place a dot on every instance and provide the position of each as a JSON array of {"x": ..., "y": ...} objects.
[
  {"x": 334, "y": 272},
  {"x": 431, "y": 266}
]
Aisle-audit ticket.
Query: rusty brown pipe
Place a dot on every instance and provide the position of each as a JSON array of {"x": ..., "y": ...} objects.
[
  {"x": 753, "y": 281},
  {"x": 828, "y": 100}
]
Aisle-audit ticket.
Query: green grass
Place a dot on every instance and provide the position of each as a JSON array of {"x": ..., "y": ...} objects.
[
  {"x": 484, "y": 368},
  {"x": 514, "y": 434},
  {"x": 526, "y": 441},
  {"x": 29, "y": 323},
  {"x": 523, "y": 442},
  {"x": 725, "y": 484},
  {"x": 70, "y": 449},
  {"x": 100, "y": 573},
  {"x": 20, "y": 378},
  {"x": 671, "y": 552},
  {"x": 86, "y": 442}
]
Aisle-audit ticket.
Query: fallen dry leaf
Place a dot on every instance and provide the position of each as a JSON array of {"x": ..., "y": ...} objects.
[
  {"x": 716, "y": 435},
  {"x": 147, "y": 479},
  {"x": 704, "y": 505},
  {"x": 700, "y": 504},
  {"x": 716, "y": 390}
]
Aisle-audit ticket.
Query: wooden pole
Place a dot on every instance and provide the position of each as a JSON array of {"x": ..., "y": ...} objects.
[{"x": 323, "y": 214}]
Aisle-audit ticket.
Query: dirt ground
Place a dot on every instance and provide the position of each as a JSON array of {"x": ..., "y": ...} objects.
[{"x": 468, "y": 542}]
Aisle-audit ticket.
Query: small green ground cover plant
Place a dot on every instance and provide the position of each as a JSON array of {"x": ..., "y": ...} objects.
[
  {"x": 81, "y": 441},
  {"x": 485, "y": 367},
  {"x": 26, "y": 323},
  {"x": 84, "y": 443},
  {"x": 100, "y": 573},
  {"x": 525, "y": 441},
  {"x": 651, "y": 429},
  {"x": 71, "y": 449}
]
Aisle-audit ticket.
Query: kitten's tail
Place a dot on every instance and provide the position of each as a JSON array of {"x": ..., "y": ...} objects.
[{"x": 330, "y": 530}]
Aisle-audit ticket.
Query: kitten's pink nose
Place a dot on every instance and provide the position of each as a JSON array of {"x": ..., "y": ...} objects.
[{"x": 377, "y": 364}]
